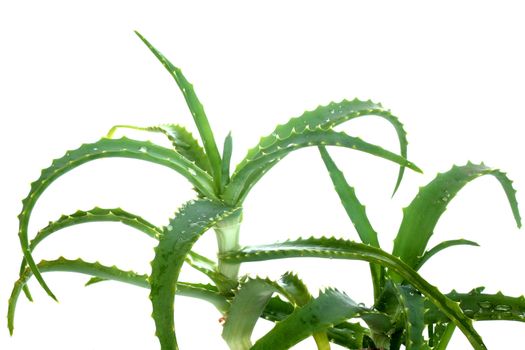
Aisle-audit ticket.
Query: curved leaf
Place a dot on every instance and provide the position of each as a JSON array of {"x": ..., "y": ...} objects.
[
  {"x": 195, "y": 260},
  {"x": 181, "y": 139},
  {"x": 193, "y": 219},
  {"x": 342, "y": 249},
  {"x": 93, "y": 215},
  {"x": 330, "y": 307},
  {"x": 201, "y": 291},
  {"x": 104, "y": 148},
  {"x": 421, "y": 216},
  {"x": 349, "y": 335},
  {"x": 252, "y": 169},
  {"x": 327, "y": 117},
  {"x": 97, "y": 215},
  {"x": 250, "y": 302},
  {"x": 196, "y": 109},
  {"x": 443, "y": 245},
  {"x": 209, "y": 268}
]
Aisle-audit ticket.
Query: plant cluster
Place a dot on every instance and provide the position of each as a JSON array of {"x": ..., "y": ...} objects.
[{"x": 407, "y": 311}]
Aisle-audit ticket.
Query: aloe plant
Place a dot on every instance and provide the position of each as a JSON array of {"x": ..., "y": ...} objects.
[{"x": 405, "y": 304}]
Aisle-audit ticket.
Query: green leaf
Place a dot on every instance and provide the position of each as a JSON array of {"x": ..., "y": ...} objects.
[
  {"x": 349, "y": 335},
  {"x": 327, "y": 117},
  {"x": 412, "y": 304},
  {"x": 343, "y": 249},
  {"x": 193, "y": 220},
  {"x": 249, "y": 304},
  {"x": 356, "y": 212},
  {"x": 93, "y": 215},
  {"x": 103, "y": 273},
  {"x": 445, "y": 336},
  {"x": 226, "y": 159},
  {"x": 195, "y": 260},
  {"x": 330, "y": 307},
  {"x": 443, "y": 245},
  {"x": 196, "y": 109},
  {"x": 97, "y": 215},
  {"x": 250, "y": 170},
  {"x": 181, "y": 139},
  {"x": 421, "y": 216},
  {"x": 246, "y": 308},
  {"x": 104, "y": 148},
  {"x": 209, "y": 268},
  {"x": 481, "y": 306}
]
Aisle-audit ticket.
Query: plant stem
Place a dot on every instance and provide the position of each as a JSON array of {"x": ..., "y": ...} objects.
[
  {"x": 445, "y": 338},
  {"x": 227, "y": 232},
  {"x": 321, "y": 339}
]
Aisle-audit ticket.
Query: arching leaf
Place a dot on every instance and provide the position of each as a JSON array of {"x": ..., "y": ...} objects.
[
  {"x": 250, "y": 302},
  {"x": 443, "y": 245},
  {"x": 421, "y": 216},
  {"x": 327, "y": 117},
  {"x": 201, "y": 291},
  {"x": 93, "y": 215},
  {"x": 330, "y": 307},
  {"x": 192, "y": 220},
  {"x": 251, "y": 170},
  {"x": 181, "y": 139},
  {"x": 105, "y": 148},
  {"x": 342, "y": 249}
]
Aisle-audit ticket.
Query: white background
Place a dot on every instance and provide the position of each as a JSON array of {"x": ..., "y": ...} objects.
[{"x": 453, "y": 72}]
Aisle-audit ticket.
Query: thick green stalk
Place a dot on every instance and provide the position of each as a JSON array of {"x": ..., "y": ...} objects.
[
  {"x": 445, "y": 338},
  {"x": 227, "y": 232},
  {"x": 321, "y": 339}
]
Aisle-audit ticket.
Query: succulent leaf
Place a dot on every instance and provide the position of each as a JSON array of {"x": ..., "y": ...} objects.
[
  {"x": 251, "y": 169},
  {"x": 226, "y": 160},
  {"x": 443, "y": 245},
  {"x": 93, "y": 215},
  {"x": 413, "y": 307},
  {"x": 422, "y": 215},
  {"x": 343, "y": 249},
  {"x": 192, "y": 220},
  {"x": 182, "y": 140},
  {"x": 104, "y": 148},
  {"x": 356, "y": 212},
  {"x": 103, "y": 273},
  {"x": 329, "y": 308},
  {"x": 481, "y": 306},
  {"x": 327, "y": 117},
  {"x": 250, "y": 302},
  {"x": 196, "y": 109},
  {"x": 349, "y": 335}
]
